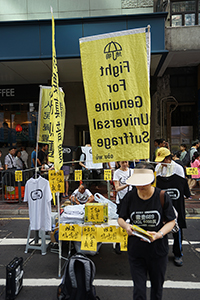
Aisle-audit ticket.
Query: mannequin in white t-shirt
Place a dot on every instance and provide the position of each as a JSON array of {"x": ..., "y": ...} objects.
[{"x": 38, "y": 195}]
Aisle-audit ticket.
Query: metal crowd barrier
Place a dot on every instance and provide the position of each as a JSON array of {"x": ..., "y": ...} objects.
[{"x": 12, "y": 191}]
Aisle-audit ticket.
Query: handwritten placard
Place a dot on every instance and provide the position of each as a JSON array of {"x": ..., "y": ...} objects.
[
  {"x": 192, "y": 171},
  {"x": 107, "y": 174},
  {"x": 78, "y": 175},
  {"x": 18, "y": 176},
  {"x": 89, "y": 238},
  {"x": 123, "y": 238},
  {"x": 56, "y": 181},
  {"x": 107, "y": 234},
  {"x": 69, "y": 232},
  {"x": 96, "y": 212}
]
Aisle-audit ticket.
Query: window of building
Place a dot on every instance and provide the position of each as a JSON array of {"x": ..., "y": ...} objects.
[
  {"x": 185, "y": 13},
  {"x": 18, "y": 124}
]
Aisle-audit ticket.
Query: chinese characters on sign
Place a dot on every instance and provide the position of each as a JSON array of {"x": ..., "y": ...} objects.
[
  {"x": 70, "y": 232},
  {"x": 18, "y": 176},
  {"x": 89, "y": 238},
  {"x": 90, "y": 235},
  {"x": 56, "y": 181},
  {"x": 78, "y": 175},
  {"x": 108, "y": 234},
  {"x": 123, "y": 239},
  {"x": 107, "y": 175},
  {"x": 191, "y": 171},
  {"x": 96, "y": 212}
]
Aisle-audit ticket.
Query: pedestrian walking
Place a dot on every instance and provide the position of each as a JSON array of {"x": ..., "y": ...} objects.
[
  {"x": 171, "y": 177},
  {"x": 120, "y": 176},
  {"x": 195, "y": 163},
  {"x": 142, "y": 206}
]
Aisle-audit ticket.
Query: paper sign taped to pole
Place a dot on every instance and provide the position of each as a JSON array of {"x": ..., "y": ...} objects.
[{"x": 115, "y": 70}]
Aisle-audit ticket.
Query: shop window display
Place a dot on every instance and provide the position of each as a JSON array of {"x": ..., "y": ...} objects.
[{"x": 18, "y": 125}]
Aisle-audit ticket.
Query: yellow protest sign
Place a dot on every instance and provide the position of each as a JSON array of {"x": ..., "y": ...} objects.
[
  {"x": 89, "y": 238},
  {"x": 45, "y": 109},
  {"x": 123, "y": 239},
  {"x": 69, "y": 232},
  {"x": 107, "y": 174},
  {"x": 107, "y": 234},
  {"x": 18, "y": 176},
  {"x": 56, "y": 181},
  {"x": 117, "y": 94},
  {"x": 78, "y": 175},
  {"x": 191, "y": 171},
  {"x": 96, "y": 212},
  {"x": 57, "y": 114}
]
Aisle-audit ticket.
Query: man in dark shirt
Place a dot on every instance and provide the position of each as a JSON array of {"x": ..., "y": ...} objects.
[
  {"x": 177, "y": 187},
  {"x": 42, "y": 155}
]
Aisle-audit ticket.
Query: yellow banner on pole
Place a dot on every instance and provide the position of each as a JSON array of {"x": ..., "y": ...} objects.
[
  {"x": 115, "y": 70},
  {"x": 56, "y": 120},
  {"x": 45, "y": 127}
]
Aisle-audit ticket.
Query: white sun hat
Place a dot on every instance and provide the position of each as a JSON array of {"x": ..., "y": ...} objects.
[{"x": 141, "y": 177}]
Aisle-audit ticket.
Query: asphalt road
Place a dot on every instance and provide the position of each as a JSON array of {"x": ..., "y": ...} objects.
[{"x": 112, "y": 280}]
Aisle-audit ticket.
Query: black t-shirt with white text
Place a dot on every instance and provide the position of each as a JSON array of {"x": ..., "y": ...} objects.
[
  {"x": 68, "y": 152},
  {"x": 149, "y": 215},
  {"x": 176, "y": 187}
]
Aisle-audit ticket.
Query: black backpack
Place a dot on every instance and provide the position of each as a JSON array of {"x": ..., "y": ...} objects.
[
  {"x": 77, "y": 280},
  {"x": 186, "y": 159}
]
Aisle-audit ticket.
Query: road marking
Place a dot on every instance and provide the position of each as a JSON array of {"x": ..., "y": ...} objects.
[
  {"x": 41, "y": 282},
  {"x": 20, "y": 218},
  {"x": 10, "y": 242}
]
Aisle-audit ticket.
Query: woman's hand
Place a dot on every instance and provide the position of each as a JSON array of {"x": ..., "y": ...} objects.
[
  {"x": 129, "y": 229},
  {"x": 156, "y": 235}
]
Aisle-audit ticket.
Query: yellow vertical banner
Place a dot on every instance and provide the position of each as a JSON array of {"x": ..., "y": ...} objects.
[
  {"x": 45, "y": 109},
  {"x": 57, "y": 109},
  {"x": 117, "y": 94}
]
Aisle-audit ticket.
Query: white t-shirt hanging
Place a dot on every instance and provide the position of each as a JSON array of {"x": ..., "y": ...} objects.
[
  {"x": 38, "y": 195},
  {"x": 87, "y": 150}
]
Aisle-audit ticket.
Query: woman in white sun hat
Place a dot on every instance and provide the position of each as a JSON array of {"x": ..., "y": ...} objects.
[{"x": 142, "y": 206}]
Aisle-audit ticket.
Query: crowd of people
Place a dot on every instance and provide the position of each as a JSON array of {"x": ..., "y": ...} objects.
[
  {"x": 14, "y": 159},
  {"x": 19, "y": 159}
]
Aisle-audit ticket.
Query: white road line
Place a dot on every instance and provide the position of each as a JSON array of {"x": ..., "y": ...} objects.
[
  {"x": 107, "y": 282},
  {"x": 10, "y": 242},
  {"x": 16, "y": 241}
]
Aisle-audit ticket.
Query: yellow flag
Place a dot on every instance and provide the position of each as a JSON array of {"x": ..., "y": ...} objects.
[
  {"x": 115, "y": 70},
  {"x": 45, "y": 108},
  {"x": 56, "y": 119}
]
